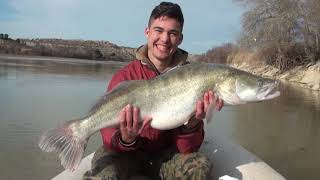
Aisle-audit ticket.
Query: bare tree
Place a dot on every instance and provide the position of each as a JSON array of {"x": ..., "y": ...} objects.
[
  {"x": 314, "y": 23},
  {"x": 282, "y": 26},
  {"x": 269, "y": 21}
]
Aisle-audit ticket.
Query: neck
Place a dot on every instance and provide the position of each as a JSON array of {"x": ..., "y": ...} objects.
[{"x": 161, "y": 65}]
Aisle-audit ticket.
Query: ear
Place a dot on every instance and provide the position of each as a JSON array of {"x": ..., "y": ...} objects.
[
  {"x": 146, "y": 32},
  {"x": 181, "y": 38}
]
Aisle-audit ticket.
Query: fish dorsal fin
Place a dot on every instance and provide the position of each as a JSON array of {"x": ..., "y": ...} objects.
[
  {"x": 98, "y": 103},
  {"x": 122, "y": 85}
]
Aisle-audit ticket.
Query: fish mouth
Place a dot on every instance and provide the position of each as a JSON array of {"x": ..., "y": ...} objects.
[{"x": 269, "y": 91}]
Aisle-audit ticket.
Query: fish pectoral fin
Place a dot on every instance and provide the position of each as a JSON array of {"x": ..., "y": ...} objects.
[
  {"x": 230, "y": 97},
  {"x": 234, "y": 100},
  {"x": 211, "y": 111}
]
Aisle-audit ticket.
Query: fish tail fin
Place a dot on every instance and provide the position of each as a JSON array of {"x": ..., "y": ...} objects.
[{"x": 64, "y": 142}]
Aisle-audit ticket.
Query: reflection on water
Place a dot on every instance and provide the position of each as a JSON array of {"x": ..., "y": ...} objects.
[
  {"x": 36, "y": 96},
  {"x": 39, "y": 95},
  {"x": 94, "y": 69},
  {"x": 284, "y": 132}
]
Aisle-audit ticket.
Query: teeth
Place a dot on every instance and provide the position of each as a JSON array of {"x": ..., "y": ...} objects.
[{"x": 163, "y": 48}]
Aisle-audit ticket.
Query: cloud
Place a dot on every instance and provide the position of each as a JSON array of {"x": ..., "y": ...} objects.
[
  {"x": 80, "y": 19},
  {"x": 121, "y": 22},
  {"x": 37, "y": 18}
]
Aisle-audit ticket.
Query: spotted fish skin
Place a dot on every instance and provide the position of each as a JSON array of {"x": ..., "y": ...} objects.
[{"x": 169, "y": 99}]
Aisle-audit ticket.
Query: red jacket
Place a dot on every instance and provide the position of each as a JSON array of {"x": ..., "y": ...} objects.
[{"x": 150, "y": 139}]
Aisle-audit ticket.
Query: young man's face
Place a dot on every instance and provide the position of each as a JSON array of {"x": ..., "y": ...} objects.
[{"x": 164, "y": 36}]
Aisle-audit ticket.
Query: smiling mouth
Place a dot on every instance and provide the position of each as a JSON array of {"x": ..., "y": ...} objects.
[{"x": 162, "y": 47}]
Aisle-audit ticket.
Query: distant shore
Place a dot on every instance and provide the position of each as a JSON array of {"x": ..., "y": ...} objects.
[{"x": 78, "y": 49}]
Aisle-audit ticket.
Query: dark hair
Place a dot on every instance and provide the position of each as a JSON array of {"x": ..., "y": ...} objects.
[{"x": 168, "y": 9}]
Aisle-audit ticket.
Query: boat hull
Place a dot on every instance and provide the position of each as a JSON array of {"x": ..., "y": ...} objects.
[{"x": 228, "y": 159}]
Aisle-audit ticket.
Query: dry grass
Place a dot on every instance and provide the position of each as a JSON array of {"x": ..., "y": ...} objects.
[
  {"x": 287, "y": 56},
  {"x": 218, "y": 54},
  {"x": 282, "y": 57}
]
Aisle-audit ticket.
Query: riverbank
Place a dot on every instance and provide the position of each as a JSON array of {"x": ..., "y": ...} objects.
[{"x": 307, "y": 76}]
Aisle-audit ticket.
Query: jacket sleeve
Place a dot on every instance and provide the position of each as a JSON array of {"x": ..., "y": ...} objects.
[
  {"x": 111, "y": 140},
  {"x": 189, "y": 142},
  {"x": 111, "y": 136}
]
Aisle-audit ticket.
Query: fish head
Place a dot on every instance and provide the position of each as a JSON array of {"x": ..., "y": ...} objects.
[{"x": 252, "y": 88}]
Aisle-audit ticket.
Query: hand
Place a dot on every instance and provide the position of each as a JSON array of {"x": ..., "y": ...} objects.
[
  {"x": 130, "y": 127},
  {"x": 202, "y": 106}
]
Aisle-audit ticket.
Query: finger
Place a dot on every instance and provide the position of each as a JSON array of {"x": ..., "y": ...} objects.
[
  {"x": 136, "y": 113},
  {"x": 199, "y": 110},
  {"x": 215, "y": 100},
  {"x": 220, "y": 104},
  {"x": 211, "y": 96},
  {"x": 129, "y": 116},
  {"x": 206, "y": 101},
  {"x": 122, "y": 119}
]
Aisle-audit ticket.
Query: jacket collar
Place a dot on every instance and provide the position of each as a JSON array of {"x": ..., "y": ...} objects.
[{"x": 179, "y": 57}]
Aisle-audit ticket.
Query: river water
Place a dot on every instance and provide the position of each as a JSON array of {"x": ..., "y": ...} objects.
[{"x": 37, "y": 94}]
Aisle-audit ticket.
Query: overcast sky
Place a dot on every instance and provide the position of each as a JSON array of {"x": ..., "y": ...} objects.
[{"x": 208, "y": 23}]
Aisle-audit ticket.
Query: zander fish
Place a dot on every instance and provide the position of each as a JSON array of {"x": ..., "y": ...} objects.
[{"x": 169, "y": 99}]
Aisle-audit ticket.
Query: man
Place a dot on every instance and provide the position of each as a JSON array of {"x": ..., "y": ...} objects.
[{"x": 139, "y": 149}]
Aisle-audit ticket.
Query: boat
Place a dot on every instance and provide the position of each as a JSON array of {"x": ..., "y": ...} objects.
[{"x": 230, "y": 161}]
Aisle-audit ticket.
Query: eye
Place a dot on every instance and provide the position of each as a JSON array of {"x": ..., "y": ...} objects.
[
  {"x": 158, "y": 30},
  {"x": 173, "y": 34}
]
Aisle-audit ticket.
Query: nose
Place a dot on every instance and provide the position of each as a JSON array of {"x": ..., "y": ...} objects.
[{"x": 165, "y": 37}]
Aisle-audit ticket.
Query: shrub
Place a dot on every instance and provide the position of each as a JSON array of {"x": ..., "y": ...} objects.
[
  {"x": 218, "y": 54},
  {"x": 286, "y": 56}
]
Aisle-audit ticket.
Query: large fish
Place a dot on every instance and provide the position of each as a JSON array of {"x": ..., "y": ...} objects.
[{"x": 170, "y": 99}]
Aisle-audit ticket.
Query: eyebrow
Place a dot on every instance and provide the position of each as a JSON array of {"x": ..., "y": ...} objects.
[{"x": 172, "y": 30}]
